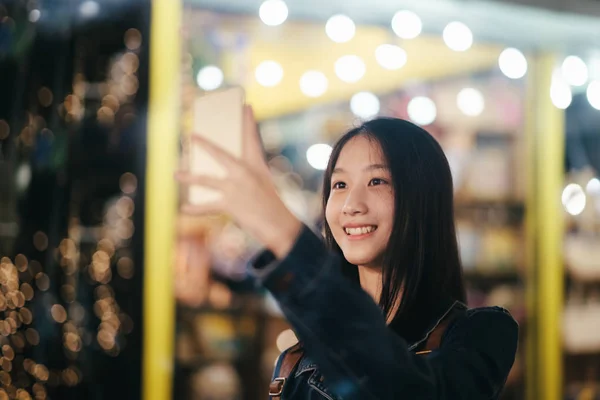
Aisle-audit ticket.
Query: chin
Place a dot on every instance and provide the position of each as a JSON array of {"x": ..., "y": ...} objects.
[{"x": 359, "y": 259}]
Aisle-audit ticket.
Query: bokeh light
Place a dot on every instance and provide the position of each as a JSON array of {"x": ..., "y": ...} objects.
[
  {"x": 406, "y": 24},
  {"x": 273, "y": 12},
  {"x": 560, "y": 94},
  {"x": 340, "y": 28},
  {"x": 574, "y": 199},
  {"x": 209, "y": 77},
  {"x": 390, "y": 56},
  {"x": 574, "y": 71},
  {"x": 313, "y": 83},
  {"x": 458, "y": 36},
  {"x": 422, "y": 110},
  {"x": 470, "y": 101},
  {"x": 318, "y": 155},
  {"x": 512, "y": 63},
  {"x": 364, "y": 105},
  {"x": 269, "y": 73},
  {"x": 350, "y": 68},
  {"x": 593, "y": 94}
]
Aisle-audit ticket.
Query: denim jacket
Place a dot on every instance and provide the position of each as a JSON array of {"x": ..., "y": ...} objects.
[{"x": 351, "y": 353}]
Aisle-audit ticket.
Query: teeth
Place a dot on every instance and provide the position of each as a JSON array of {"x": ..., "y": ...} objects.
[{"x": 360, "y": 230}]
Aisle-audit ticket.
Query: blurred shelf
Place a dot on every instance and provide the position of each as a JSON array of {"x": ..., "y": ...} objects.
[
  {"x": 199, "y": 361},
  {"x": 493, "y": 278},
  {"x": 495, "y": 212}
]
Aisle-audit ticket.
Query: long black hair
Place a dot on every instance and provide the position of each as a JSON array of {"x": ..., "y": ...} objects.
[{"x": 421, "y": 260}]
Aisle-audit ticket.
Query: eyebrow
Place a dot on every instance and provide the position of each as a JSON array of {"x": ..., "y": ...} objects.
[{"x": 369, "y": 168}]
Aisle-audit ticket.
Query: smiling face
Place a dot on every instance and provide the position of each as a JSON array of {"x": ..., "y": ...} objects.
[{"x": 360, "y": 207}]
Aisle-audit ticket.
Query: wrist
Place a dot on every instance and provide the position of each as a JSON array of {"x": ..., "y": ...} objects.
[{"x": 284, "y": 237}]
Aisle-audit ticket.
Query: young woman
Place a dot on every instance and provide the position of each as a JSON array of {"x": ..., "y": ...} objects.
[{"x": 378, "y": 306}]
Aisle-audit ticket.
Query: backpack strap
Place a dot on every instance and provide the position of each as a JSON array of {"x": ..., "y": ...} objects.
[
  {"x": 435, "y": 337},
  {"x": 292, "y": 356},
  {"x": 290, "y": 360}
]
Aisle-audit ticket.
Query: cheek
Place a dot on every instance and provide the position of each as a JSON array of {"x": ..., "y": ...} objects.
[
  {"x": 332, "y": 212},
  {"x": 386, "y": 204},
  {"x": 329, "y": 214}
]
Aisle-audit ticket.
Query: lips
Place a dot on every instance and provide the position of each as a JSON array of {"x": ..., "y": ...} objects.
[{"x": 359, "y": 230}]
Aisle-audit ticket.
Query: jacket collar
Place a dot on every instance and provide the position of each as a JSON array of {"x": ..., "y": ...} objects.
[{"x": 444, "y": 311}]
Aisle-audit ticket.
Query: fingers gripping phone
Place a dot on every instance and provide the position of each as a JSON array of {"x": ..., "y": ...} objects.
[{"x": 218, "y": 117}]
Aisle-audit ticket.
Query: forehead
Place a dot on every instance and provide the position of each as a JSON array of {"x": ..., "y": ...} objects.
[{"x": 360, "y": 151}]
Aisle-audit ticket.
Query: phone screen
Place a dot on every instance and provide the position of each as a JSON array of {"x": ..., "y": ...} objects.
[{"x": 218, "y": 117}]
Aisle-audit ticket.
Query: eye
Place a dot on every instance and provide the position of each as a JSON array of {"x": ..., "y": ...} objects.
[
  {"x": 377, "y": 181},
  {"x": 339, "y": 185}
]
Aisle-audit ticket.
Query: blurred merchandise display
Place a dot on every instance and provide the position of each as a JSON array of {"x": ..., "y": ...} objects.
[{"x": 581, "y": 205}]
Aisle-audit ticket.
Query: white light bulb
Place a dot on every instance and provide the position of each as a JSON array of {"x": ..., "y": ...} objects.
[
  {"x": 268, "y": 73},
  {"x": 593, "y": 187},
  {"x": 406, "y": 24},
  {"x": 512, "y": 63},
  {"x": 573, "y": 199},
  {"x": 350, "y": 69},
  {"x": 390, "y": 56},
  {"x": 364, "y": 105},
  {"x": 89, "y": 8},
  {"x": 594, "y": 68},
  {"x": 318, "y": 155},
  {"x": 422, "y": 110},
  {"x": 34, "y": 15},
  {"x": 209, "y": 77},
  {"x": 340, "y": 28},
  {"x": 470, "y": 101},
  {"x": 593, "y": 94},
  {"x": 575, "y": 71},
  {"x": 273, "y": 12},
  {"x": 560, "y": 94},
  {"x": 458, "y": 36},
  {"x": 313, "y": 83}
]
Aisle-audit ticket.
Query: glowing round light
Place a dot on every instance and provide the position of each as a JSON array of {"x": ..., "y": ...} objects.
[
  {"x": 422, "y": 110},
  {"x": 470, "y": 101},
  {"x": 406, "y": 24},
  {"x": 350, "y": 69},
  {"x": 560, "y": 94},
  {"x": 34, "y": 15},
  {"x": 209, "y": 77},
  {"x": 390, "y": 56},
  {"x": 273, "y": 12},
  {"x": 269, "y": 73},
  {"x": 575, "y": 71},
  {"x": 340, "y": 28},
  {"x": 89, "y": 8},
  {"x": 573, "y": 199},
  {"x": 593, "y": 94},
  {"x": 458, "y": 36},
  {"x": 593, "y": 187},
  {"x": 364, "y": 105},
  {"x": 512, "y": 63},
  {"x": 313, "y": 83},
  {"x": 318, "y": 155}
]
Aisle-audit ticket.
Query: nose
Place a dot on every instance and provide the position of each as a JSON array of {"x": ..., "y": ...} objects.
[{"x": 355, "y": 202}]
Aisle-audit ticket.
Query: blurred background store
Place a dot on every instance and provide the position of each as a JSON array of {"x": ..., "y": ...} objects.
[{"x": 98, "y": 302}]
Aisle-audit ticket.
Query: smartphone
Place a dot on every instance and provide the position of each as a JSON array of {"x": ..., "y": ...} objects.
[{"x": 218, "y": 117}]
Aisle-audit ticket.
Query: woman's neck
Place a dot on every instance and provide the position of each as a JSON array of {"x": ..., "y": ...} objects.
[{"x": 370, "y": 281}]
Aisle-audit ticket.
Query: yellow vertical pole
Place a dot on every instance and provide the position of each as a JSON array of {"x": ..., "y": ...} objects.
[
  {"x": 547, "y": 125},
  {"x": 531, "y": 279},
  {"x": 161, "y": 195}
]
